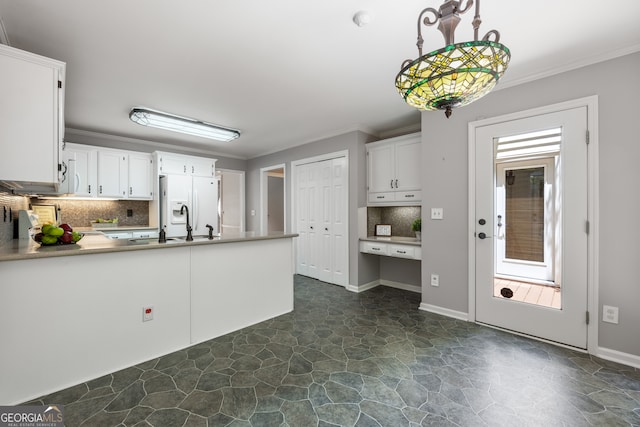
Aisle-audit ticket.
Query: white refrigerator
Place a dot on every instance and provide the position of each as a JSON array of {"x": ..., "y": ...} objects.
[{"x": 199, "y": 194}]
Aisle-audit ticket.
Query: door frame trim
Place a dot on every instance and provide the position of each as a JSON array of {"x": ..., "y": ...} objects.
[
  {"x": 591, "y": 102},
  {"x": 264, "y": 195}
]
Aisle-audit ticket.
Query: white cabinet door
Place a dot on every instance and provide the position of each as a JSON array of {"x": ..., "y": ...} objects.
[
  {"x": 112, "y": 174},
  {"x": 140, "y": 176},
  {"x": 171, "y": 164},
  {"x": 82, "y": 166},
  {"x": 381, "y": 168},
  {"x": 31, "y": 103},
  {"x": 407, "y": 165},
  {"x": 393, "y": 171},
  {"x": 201, "y": 166}
]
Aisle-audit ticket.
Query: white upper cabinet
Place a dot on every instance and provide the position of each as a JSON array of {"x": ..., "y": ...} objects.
[
  {"x": 140, "y": 176},
  {"x": 180, "y": 164},
  {"x": 105, "y": 172},
  {"x": 393, "y": 171},
  {"x": 31, "y": 119},
  {"x": 81, "y": 162},
  {"x": 112, "y": 174}
]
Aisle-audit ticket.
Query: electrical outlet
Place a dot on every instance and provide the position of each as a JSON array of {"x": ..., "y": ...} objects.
[
  {"x": 610, "y": 314},
  {"x": 147, "y": 313},
  {"x": 437, "y": 213},
  {"x": 435, "y": 280}
]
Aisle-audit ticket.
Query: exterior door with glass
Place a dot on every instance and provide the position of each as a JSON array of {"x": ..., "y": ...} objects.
[{"x": 548, "y": 152}]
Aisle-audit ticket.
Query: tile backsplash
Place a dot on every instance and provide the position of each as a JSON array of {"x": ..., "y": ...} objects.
[
  {"x": 80, "y": 213},
  {"x": 399, "y": 217}
]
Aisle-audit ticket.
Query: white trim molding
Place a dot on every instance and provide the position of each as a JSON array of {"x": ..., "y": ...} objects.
[
  {"x": 363, "y": 287},
  {"x": 444, "y": 311},
  {"x": 403, "y": 286},
  {"x": 618, "y": 357}
]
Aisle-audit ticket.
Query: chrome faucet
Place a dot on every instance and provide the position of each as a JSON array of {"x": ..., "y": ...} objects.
[{"x": 189, "y": 236}]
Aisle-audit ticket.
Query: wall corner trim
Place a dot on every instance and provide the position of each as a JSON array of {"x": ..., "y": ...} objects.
[
  {"x": 618, "y": 357},
  {"x": 444, "y": 311}
]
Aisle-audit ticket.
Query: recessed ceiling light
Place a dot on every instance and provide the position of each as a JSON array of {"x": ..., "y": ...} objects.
[{"x": 186, "y": 125}]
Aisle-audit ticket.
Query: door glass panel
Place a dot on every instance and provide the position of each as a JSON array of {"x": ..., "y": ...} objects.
[
  {"x": 524, "y": 199},
  {"x": 526, "y": 206}
]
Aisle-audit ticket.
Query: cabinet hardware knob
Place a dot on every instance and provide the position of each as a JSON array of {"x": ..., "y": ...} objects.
[
  {"x": 101, "y": 189},
  {"x": 396, "y": 183},
  {"x": 391, "y": 183},
  {"x": 130, "y": 190},
  {"x": 409, "y": 195}
]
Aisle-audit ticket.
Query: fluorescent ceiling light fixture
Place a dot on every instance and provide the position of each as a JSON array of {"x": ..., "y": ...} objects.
[{"x": 166, "y": 121}]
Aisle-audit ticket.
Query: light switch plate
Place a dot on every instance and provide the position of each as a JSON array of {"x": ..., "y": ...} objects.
[
  {"x": 610, "y": 314},
  {"x": 437, "y": 213}
]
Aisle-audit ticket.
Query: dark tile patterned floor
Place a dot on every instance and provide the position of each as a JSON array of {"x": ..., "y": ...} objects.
[{"x": 370, "y": 359}]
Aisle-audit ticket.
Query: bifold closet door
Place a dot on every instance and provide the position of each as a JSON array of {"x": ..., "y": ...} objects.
[{"x": 321, "y": 219}]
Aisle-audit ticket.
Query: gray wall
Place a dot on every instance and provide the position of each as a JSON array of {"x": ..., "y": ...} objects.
[
  {"x": 444, "y": 152},
  {"x": 362, "y": 269}
]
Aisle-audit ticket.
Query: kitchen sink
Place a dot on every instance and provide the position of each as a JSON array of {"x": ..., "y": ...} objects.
[{"x": 148, "y": 240}]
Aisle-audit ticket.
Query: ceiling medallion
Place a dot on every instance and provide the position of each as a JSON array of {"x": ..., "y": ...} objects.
[{"x": 457, "y": 74}]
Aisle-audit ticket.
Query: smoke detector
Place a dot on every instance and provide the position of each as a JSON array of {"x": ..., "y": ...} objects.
[{"x": 362, "y": 18}]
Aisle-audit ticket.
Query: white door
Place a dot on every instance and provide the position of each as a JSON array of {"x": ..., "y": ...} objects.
[
  {"x": 567, "y": 323},
  {"x": 525, "y": 220},
  {"x": 303, "y": 182},
  {"x": 321, "y": 203},
  {"x": 231, "y": 201},
  {"x": 339, "y": 220}
]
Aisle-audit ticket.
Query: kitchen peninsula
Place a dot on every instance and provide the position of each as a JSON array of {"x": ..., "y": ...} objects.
[{"x": 80, "y": 314}]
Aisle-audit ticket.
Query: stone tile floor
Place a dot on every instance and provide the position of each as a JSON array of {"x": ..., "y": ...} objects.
[{"x": 369, "y": 359}]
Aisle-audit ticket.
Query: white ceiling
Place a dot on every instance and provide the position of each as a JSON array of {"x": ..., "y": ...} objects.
[{"x": 284, "y": 72}]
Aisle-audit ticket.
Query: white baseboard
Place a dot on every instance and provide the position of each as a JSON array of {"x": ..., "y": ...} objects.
[
  {"x": 444, "y": 311},
  {"x": 403, "y": 286},
  {"x": 364, "y": 287},
  {"x": 389, "y": 283},
  {"x": 618, "y": 357}
]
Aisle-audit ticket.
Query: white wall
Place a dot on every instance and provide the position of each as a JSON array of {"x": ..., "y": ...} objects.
[{"x": 444, "y": 155}]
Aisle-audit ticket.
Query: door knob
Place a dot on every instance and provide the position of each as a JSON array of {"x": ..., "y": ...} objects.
[{"x": 482, "y": 236}]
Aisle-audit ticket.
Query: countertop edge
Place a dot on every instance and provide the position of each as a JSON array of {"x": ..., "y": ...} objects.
[
  {"x": 394, "y": 240},
  {"x": 34, "y": 251}
]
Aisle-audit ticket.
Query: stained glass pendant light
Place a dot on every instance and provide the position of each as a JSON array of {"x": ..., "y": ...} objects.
[{"x": 457, "y": 74}]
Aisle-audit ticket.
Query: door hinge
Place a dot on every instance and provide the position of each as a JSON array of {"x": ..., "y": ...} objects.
[
  {"x": 588, "y": 138},
  {"x": 587, "y": 317},
  {"x": 59, "y": 84},
  {"x": 587, "y": 227}
]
